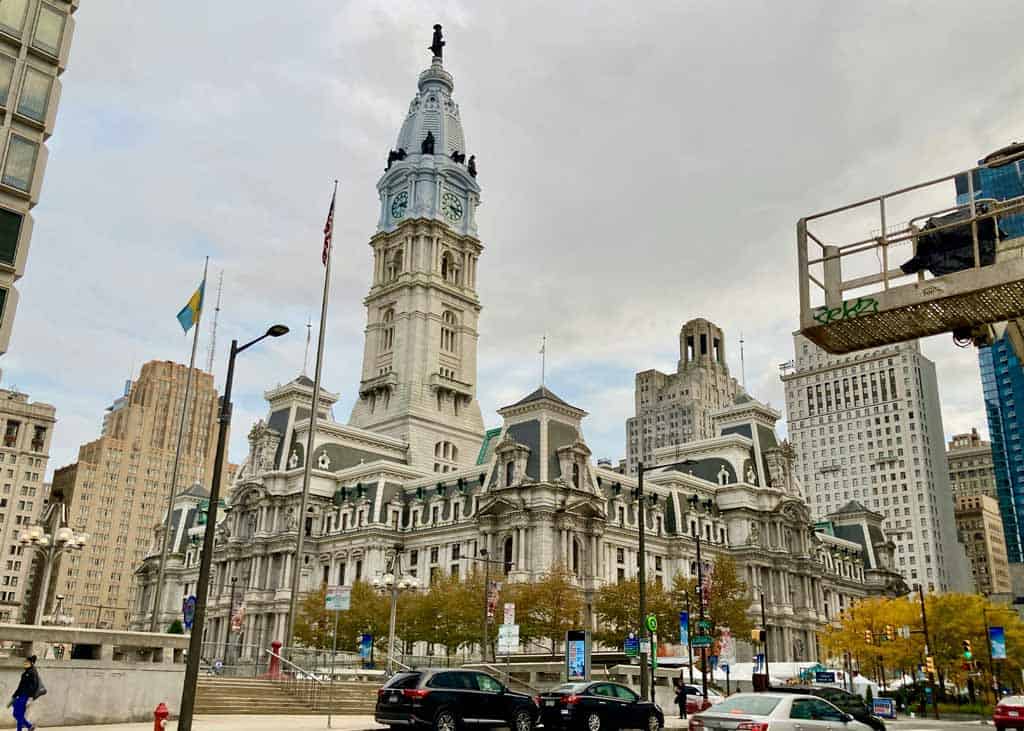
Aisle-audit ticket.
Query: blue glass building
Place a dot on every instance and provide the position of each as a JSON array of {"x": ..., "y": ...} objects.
[
  {"x": 1002, "y": 380},
  {"x": 1002, "y": 377},
  {"x": 999, "y": 182}
]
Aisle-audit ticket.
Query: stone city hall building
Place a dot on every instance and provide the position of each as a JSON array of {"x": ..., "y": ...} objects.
[{"x": 415, "y": 469}]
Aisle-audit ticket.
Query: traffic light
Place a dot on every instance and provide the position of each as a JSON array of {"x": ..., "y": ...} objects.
[
  {"x": 867, "y": 636},
  {"x": 757, "y": 635},
  {"x": 929, "y": 664},
  {"x": 889, "y": 633},
  {"x": 966, "y": 644}
]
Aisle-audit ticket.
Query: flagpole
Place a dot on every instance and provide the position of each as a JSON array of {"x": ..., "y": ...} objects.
[
  {"x": 307, "y": 466},
  {"x": 155, "y": 619}
]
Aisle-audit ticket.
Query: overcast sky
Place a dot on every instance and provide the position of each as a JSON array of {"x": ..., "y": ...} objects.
[{"x": 641, "y": 163}]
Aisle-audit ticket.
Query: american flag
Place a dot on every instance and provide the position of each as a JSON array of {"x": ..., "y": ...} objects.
[{"x": 329, "y": 229}]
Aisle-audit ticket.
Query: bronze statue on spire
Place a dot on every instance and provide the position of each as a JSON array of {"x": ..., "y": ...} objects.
[{"x": 438, "y": 43}]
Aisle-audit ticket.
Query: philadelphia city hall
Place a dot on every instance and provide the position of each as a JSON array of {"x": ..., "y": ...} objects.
[{"x": 414, "y": 467}]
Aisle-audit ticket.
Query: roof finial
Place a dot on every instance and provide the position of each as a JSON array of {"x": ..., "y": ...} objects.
[
  {"x": 437, "y": 46},
  {"x": 543, "y": 358}
]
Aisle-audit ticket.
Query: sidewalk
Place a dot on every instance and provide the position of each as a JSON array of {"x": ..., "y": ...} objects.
[{"x": 245, "y": 723}]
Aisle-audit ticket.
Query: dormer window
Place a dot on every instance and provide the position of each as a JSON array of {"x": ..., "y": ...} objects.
[
  {"x": 576, "y": 474},
  {"x": 510, "y": 473}
]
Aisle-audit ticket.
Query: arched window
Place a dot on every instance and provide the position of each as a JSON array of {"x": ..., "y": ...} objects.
[
  {"x": 393, "y": 265},
  {"x": 387, "y": 331},
  {"x": 448, "y": 325},
  {"x": 450, "y": 270},
  {"x": 510, "y": 473},
  {"x": 447, "y": 455},
  {"x": 575, "y": 474},
  {"x": 508, "y": 554}
]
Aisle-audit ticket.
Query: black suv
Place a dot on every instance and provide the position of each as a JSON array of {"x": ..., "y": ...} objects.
[
  {"x": 843, "y": 700},
  {"x": 447, "y": 700},
  {"x": 596, "y": 706}
]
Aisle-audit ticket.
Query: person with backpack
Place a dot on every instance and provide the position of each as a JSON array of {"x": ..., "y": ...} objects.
[{"x": 29, "y": 689}]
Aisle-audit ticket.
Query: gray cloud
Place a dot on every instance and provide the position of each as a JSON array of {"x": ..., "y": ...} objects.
[{"x": 641, "y": 163}]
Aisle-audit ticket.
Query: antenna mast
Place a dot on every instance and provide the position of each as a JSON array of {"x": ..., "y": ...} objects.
[
  {"x": 743, "y": 364},
  {"x": 211, "y": 351}
]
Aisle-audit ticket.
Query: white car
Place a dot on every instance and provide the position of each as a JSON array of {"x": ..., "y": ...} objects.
[{"x": 774, "y": 712}]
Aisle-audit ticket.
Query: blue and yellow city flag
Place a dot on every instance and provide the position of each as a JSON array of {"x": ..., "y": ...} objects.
[{"x": 189, "y": 314}]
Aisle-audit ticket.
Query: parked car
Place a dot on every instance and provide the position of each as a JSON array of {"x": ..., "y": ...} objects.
[
  {"x": 594, "y": 706},
  {"x": 447, "y": 700},
  {"x": 1009, "y": 713},
  {"x": 844, "y": 700},
  {"x": 773, "y": 711}
]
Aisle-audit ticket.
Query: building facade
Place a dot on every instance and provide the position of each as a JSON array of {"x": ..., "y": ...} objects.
[
  {"x": 406, "y": 475},
  {"x": 971, "y": 471},
  {"x": 35, "y": 38},
  {"x": 673, "y": 408},
  {"x": 867, "y": 426},
  {"x": 27, "y": 433},
  {"x": 118, "y": 489},
  {"x": 1002, "y": 382},
  {"x": 981, "y": 533}
]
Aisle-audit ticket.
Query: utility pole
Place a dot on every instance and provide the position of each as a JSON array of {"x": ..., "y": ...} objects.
[
  {"x": 764, "y": 626},
  {"x": 642, "y": 576},
  {"x": 700, "y": 609},
  {"x": 927, "y": 650}
]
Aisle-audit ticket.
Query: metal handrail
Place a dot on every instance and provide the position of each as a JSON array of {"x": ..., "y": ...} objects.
[
  {"x": 509, "y": 679},
  {"x": 307, "y": 675}
]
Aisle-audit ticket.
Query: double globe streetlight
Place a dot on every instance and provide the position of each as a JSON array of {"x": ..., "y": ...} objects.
[
  {"x": 63, "y": 540},
  {"x": 394, "y": 582}
]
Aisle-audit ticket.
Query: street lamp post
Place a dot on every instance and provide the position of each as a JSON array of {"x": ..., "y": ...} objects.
[
  {"x": 646, "y": 682},
  {"x": 394, "y": 582},
  {"x": 195, "y": 645},
  {"x": 486, "y": 561},
  {"x": 700, "y": 609},
  {"x": 49, "y": 547},
  {"x": 231, "y": 618},
  {"x": 57, "y": 617}
]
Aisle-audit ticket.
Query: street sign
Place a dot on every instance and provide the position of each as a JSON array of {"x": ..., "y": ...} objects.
[
  {"x": 702, "y": 641},
  {"x": 188, "y": 611},
  {"x": 704, "y": 626},
  {"x": 632, "y": 645},
  {"x": 338, "y": 599},
  {"x": 652, "y": 623},
  {"x": 883, "y": 707},
  {"x": 824, "y": 677},
  {"x": 645, "y": 646},
  {"x": 510, "y": 613},
  {"x": 508, "y": 638}
]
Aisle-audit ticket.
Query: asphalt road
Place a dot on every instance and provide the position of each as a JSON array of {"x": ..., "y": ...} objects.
[{"x": 901, "y": 724}]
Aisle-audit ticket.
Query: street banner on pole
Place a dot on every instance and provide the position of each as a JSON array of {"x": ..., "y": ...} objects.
[
  {"x": 510, "y": 613},
  {"x": 684, "y": 628},
  {"x": 508, "y": 638},
  {"x": 726, "y": 647},
  {"x": 997, "y": 643},
  {"x": 365, "y": 646},
  {"x": 339, "y": 599},
  {"x": 188, "y": 611},
  {"x": 493, "y": 589}
]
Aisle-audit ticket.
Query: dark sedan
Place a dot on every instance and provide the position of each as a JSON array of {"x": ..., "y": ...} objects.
[
  {"x": 597, "y": 705},
  {"x": 447, "y": 700}
]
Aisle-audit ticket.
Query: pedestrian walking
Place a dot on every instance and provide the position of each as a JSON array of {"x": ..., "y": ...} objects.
[
  {"x": 29, "y": 689},
  {"x": 680, "y": 687}
]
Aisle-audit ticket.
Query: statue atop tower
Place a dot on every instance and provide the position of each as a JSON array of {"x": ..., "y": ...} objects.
[{"x": 437, "y": 46}]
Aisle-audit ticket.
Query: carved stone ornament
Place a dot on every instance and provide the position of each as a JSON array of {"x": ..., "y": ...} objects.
[
  {"x": 323, "y": 461},
  {"x": 751, "y": 475}
]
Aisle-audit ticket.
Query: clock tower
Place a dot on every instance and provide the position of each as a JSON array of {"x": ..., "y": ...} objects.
[{"x": 419, "y": 359}]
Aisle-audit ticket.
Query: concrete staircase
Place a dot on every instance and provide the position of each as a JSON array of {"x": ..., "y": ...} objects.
[{"x": 253, "y": 696}]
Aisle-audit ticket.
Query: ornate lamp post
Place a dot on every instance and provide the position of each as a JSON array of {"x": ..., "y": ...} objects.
[
  {"x": 49, "y": 547},
  {"x": 393, "y": 582},
  {"x": 57, "y": 616}
]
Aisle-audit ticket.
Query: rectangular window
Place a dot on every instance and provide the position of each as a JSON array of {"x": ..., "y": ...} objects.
[
  {"x": 35, "y": 94},
  {"x": 49, "y": 30},
  {"x": 20, "y": 163},
  {"x": 12, "y": 15},
  {"x": 6, "y": 76},
  {"x": 10, "y": 231}
]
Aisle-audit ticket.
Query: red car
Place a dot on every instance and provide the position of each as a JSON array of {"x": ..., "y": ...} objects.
[{"x": 1009, "y": 713}]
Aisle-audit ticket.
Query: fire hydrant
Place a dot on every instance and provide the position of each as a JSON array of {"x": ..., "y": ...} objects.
[{"x": 160, "y": 717}]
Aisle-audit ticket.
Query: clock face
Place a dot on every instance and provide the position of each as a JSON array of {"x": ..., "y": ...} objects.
[
  {"x": 399, "y": 204},
  {"x": 451, "y": 207}
]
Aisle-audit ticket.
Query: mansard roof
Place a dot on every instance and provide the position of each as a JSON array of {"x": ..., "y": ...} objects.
[{"x": 543, "y": 393}]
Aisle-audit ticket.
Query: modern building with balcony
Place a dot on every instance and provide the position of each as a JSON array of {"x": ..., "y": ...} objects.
[{"x": 35, "y": 39}]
